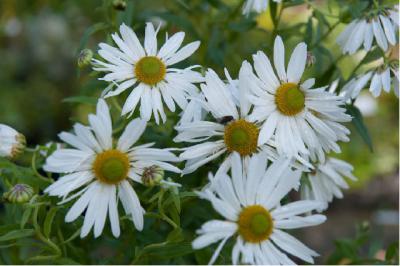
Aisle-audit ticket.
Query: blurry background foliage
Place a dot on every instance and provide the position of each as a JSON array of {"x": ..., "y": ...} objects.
[{"x": 43, "y": 92}]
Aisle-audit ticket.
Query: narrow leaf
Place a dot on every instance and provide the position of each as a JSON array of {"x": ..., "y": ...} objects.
[
  {"x": 48, "y": 221},
  {"x": 359, "y": 125},
  {"x": 16, "y": 234}
]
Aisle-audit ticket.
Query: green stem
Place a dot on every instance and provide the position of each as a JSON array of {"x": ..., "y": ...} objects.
[
  {"x": 357, "y": 67},
  {"x": 161, "y": 210},
  {"x": 155, "y": 245},
  {"x": 276, "y": 23},
  {"x": 116, "y": 104},
  {"x": 326, "y": 34},
  {"x": 45, "y": 240},
  {"x": 33, "y": 164}
]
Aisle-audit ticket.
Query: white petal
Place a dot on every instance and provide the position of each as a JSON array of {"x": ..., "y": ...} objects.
[
  {"x": 368, "y": 36},
  {"x": 102, "y": 210},
  {"x": 131, "y": 134},
  {"x": 80, "y": 205},
  {"x": 389, "y": 29},
  {"x": 133, "y": 99},
  {"x": 293, "y": 246},
  {"x": 132, "y": 41},
  {"x": 268, "y": 128},
  {"x": 385, "y": 76},
  {"x": 131, "y": 204},
  {"x": 279, "y": 58},
  {"x": 297, "y": 63},
  {"x": 300, "y": 222},
  {"x": 113, "y": 212},
  {"x": 150, "y": 40},
  {"x": 171, "y": 45},
  {"x": 379, "y": 34},
  {"x": 183, "y": 53},
  {"x": 295, "y": 208},
  {"x": 91, "y": 213}
]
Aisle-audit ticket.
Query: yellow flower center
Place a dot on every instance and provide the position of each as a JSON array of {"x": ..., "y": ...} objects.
[
  {"x": 150, "y": 70},
  {"x": 241, "y": 136},
  {"x": 255, "y": 224},
  {"x": 289, "y": 99},
  {"x": 111, "y": 166}
]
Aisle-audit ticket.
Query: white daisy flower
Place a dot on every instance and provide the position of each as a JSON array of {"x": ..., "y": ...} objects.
[
  {"x": 301, "y": 119},
  {"x": 148, "y": 71},
  {"x": 257, "y": 6},
  {"x": 378, "y": 79},
  {"x": 12, "y": 143},
  {"x": 249, "y": 201},
  {"x": 100, "y": 171},
  {"x": 327, "y": 180},
  {"x": 382, "y": 26},
  {"x": 231, "y": 130}
]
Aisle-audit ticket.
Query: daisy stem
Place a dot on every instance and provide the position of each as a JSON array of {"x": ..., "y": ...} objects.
[
  {"x": 357, "y": 67},
  {"x": 323, "y": 37},
  {"x": 43, "y": 238},
  {"x": 62, "y": 240},
  {"x": 116, "y": 104},
  {"x": 161, "y": 210},
  {"x": 35, "y": 171}
]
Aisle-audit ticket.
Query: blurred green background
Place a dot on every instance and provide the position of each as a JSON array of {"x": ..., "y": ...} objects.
[{"x": 40, "y": 40}]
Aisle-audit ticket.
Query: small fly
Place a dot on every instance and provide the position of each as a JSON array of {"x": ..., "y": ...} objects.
[{"x": 225, "y": 120}]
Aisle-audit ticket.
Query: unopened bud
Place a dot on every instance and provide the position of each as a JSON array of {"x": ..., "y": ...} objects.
[
  {"x": 119, "y": 5},
  {"x": 310, "y": 59},
  {"x": 152, "y": 175},
  {"x": 20, "y": 193},
  {"x": 12, "y": 143},
  {"x": 84, "y": 58}
]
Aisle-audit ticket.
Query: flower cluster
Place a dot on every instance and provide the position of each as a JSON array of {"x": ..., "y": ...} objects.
[
  {"x": 269, "y": 126},
  {"x": 271, "y": 130}
]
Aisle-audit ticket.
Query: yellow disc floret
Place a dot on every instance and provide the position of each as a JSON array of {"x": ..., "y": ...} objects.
[
  {"x": 241, "y": 136},
  {"x": 111, "y": 166},
  {"x": 290, "y": 99},
  {"x": 255, "y": 224},
  {"x": 150, "y": 70}
]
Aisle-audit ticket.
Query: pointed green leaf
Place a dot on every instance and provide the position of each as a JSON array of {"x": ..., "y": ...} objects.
[
  {"x": 359, "y": 125},
  {"x": 16, "y": 234},
  {"x": 25, "y": 216},
  {"x": 48, "y": 221}
]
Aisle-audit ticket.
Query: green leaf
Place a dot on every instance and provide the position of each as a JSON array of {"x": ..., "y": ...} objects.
[
  {"x": 309, "y": 31},
  {"x": 16, "y": 234},
  {"x": 48, "y": 221},
  {"x": 169, "y": 250},
  {"x": 371, "y": 56},
  {"x": 25, "y": 216},
  {"x": 66, "y": 261},
  {"x": 91, "y": 30},
  {"x": 392, "y": 252},
  {"x": 359, "y": 125},
  {"x": 176, "y": 235},
  {"x": 176, "y": 200},
  {"x": 273, "y": 7},
  {"x": 242, "y": 26},
  {"x": 81, "y": 99}
]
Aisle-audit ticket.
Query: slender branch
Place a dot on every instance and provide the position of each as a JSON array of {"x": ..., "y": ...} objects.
[
  {"x": 326, "y": 34},
  {"x": 161, "y": 210},
  {"x": 47, "y": 241},
  {"x": 35, "y": 171}
]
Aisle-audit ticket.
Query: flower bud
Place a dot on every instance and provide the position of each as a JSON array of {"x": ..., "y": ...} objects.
[
  {"x": 20, "y": 193},
  {"x": 152, "y": 175},
  {"x": 119, "y": 5},
  {"x": 84, "y": 58},
  {"x": 12, "y": 143},
  {"x": 310, "y": 59}
]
